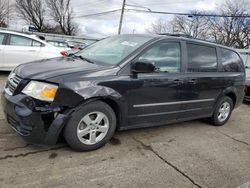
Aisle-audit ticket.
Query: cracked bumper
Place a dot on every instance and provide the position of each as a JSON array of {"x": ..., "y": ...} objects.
[{"x": 32, "y": 125}]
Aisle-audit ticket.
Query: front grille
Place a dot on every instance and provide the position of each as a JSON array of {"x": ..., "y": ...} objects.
[
  {"x": 20, "y": 128},
  {"x": 12, "y": 83}
]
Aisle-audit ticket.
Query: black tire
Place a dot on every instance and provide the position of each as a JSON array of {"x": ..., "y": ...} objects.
[
  {"x": 71, "y": 128},
  {"x": 214, "y": 120}
]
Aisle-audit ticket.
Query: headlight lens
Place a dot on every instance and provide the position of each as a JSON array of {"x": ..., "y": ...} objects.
[{"x": 40, "y": 90}]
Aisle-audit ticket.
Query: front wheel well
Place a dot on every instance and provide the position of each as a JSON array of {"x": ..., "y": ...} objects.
[{"x": 115, "y": 107}]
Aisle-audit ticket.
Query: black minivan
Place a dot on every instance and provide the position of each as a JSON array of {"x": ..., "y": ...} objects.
[{"x": 123, "y": 82}]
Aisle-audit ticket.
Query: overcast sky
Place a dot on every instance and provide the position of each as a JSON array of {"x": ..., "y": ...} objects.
[{"x": 105, "y": 25}]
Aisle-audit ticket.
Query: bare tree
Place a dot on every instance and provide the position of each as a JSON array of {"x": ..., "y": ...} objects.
[
  {"x": 231, "y": 31},
  {"x": 194, "y": 26},
  {"x": 33, "y": 12},
  {"x": 4, "y": 13},
  {"x": 62, "y": 14},
  {"x": 159, "y": 27}
]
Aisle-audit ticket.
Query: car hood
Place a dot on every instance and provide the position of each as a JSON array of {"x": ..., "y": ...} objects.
[{"x": 49, "y": 68}]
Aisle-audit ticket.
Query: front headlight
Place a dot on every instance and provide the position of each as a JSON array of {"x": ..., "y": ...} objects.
[{"x": 40, "y": 90}]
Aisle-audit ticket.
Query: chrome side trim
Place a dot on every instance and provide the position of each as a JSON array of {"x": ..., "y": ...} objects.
[
  {"x": 167, "y": 113},
  {"x": 171, "y": 103}
]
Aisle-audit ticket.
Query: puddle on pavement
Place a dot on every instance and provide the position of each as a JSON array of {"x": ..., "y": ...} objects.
[
  {"x": 53, "y": 155},
  {"x": 115, "y": 141}
]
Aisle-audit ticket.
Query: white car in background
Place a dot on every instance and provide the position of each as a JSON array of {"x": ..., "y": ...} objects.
[{"x": 17, "y": 48}]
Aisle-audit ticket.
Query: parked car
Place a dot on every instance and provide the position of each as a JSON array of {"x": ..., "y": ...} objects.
[
  {"x": 245, "y": 54},
  {"x": 59, "y": 43},
  {"x": 123, "y": 82},
  {"x": 17, "y": 48},
  {"x": 77, "y": 45}
]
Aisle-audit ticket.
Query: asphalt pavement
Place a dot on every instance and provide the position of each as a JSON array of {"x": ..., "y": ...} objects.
[{"x": 189, "y": 154}]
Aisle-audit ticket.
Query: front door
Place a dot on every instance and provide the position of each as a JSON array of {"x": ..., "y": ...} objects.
[{"x": 154, "y": 97}]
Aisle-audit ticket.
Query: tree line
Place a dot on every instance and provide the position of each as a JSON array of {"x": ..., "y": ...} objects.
[
  {"x": 54, "y": 16},
  {"x": 231, "y": 30}
]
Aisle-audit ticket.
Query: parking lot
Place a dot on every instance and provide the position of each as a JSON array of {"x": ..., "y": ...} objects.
[{"x": 190, "y": 154}]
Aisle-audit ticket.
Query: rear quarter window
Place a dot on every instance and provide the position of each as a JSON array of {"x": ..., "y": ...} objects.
[
  {"x": 36, "y": 43},
  {"x": 231, "y": 61}
]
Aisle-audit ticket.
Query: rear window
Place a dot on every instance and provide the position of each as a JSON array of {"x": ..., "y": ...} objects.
[
  {"x": 231, "y": 61},
  {"x": 1, "y": 38},
  {"x": 36, "y": 43},
  {"x": 201, "y": 58},
  {"x": 16, "y": 40}
]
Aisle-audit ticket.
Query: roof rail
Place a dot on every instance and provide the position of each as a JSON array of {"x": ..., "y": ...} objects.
[
  {"x": 186, "y": 36},
  {"x": 176, "y": 35}
]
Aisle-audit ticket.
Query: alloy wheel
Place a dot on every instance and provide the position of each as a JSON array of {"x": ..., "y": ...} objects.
[
  {"x": 92, "y": 128},
  {"x": 224, "y": 111}
]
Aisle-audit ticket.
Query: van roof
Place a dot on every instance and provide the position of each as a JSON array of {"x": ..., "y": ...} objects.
[
  {"x": 191, "y": 39},
  {"x": 183, "y": 37}
]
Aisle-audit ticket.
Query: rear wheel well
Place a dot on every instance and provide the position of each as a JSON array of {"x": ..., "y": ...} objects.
[{"x": 232, "y": 96}]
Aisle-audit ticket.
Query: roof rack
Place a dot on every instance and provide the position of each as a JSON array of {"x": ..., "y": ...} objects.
[
  {"x": 176, "y": 35},
  {"x": 186, "y": 36}
]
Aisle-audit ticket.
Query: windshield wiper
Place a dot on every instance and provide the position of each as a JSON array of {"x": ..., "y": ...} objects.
[{"x": 84, "y": 58}]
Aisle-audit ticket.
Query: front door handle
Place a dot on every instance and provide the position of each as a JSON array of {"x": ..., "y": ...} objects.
[{"x": 178, "y": 81}]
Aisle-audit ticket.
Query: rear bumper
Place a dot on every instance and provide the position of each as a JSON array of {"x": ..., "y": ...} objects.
[
  {"x": 247, "y": 98},
  {"x": 247, "y": 95},
  {"x": 39, "y": 127}
]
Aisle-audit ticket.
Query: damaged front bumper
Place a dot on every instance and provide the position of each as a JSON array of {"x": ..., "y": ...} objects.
[{"x": 41, "y": 125}]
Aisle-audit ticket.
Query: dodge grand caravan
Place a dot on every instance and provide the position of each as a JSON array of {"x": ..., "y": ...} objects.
[{"x": 123, "y": 82}]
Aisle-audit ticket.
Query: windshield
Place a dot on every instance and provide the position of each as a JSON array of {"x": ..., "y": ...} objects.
[{"x": 113, "y": 50}]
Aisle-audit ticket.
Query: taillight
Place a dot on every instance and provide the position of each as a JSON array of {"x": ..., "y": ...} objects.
[{"x": 64, "y": 53}]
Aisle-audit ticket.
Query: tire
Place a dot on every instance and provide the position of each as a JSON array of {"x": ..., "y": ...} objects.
[
  {"x": 218, "y": 119},
  {"x": 90, "y": 127}
]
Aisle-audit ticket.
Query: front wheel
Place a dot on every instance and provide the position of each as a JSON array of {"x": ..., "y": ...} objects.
[
  {"x": 222, "y": 111},
  {"x": 90, "y": 127}
]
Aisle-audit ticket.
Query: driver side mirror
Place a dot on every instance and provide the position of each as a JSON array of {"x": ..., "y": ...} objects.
[{"x": 143, "y": 66}]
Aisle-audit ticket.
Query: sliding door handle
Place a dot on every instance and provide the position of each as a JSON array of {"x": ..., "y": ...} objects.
[
  {"x": 178, "y": 81},
  {"x": 192, "y": 81}
]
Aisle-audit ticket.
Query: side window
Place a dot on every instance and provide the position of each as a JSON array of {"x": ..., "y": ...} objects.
[
  {"x": 36, "y": 43},
  {"x": 16, "y": 40},
  {"x": 1, "y": 38},
  {"x": 201, "y": 58},
  {"x": 231, "y": 62},
  {"x": 165, "y": 56}
]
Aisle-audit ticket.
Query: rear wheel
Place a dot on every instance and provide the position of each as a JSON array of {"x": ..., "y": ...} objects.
[
  {"x": 90, "y": 127},
  {"x": 222, "y": 112}
]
